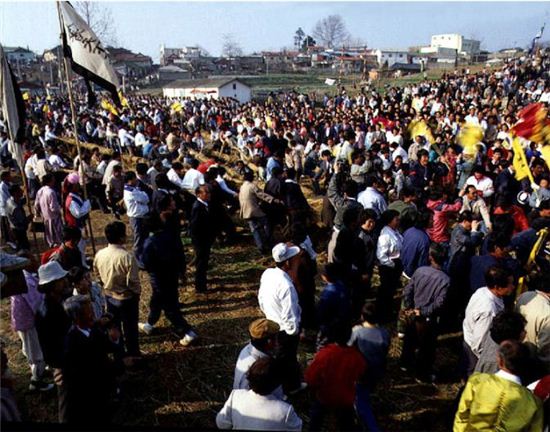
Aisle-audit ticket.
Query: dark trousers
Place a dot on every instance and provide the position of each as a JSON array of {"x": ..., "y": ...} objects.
[
  {"x": 288, "y": 357},
  {"x": 468, "y": 361},
  {"x": 419, "y": 345},
  {"x": 21, "y": 239},
  {"x": 164, "y": 297},
  {"x": 345, "y": 417},
  {"x": 202, "y": 256},
  {"x": 125, "y": 316},
  {"x": 390, "y": 280},
  {"x": 140, "y": 235},
  {"x": 261, "y": 231}
]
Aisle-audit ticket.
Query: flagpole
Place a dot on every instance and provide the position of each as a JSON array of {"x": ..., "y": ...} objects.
[
  {"x": 73, "y": 115},
  {"x": 26, "y": 191}
]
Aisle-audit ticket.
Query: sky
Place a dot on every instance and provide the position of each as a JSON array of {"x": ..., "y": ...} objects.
[{"x": 144, "y": 26}]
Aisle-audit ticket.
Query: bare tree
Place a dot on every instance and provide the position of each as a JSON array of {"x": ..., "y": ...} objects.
[
  {"x": 330, "y": 31},
  {"x": 100, "y": 20},
  {"x": 231, "y": 47},
  {"x": 298, "y": 38},
  {"x": 355, "y": 42}
]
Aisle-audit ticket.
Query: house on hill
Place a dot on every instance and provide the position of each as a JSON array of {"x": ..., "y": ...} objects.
[{"x": 214, "y": 88}]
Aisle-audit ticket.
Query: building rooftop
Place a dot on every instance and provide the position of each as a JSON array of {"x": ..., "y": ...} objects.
[{"x": 207, "y": 82}]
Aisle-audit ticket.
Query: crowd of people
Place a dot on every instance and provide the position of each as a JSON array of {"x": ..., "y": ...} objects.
[{"x": 422, "y": 237}]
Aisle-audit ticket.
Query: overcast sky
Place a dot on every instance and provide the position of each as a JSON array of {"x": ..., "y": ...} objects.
[{"x": 143, "y": 26}]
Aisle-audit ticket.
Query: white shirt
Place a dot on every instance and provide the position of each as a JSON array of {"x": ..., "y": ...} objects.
[
  {"x": 508, "y": 376},
  {"x": 136, "y": 202},
  {"x": 248, "y": 355},
  {"x": 79, "y": 211},
  {"x": 193, "y": 179},
  {"x": 56, "y": 162},
  {"x": 389, "y": 246},
  {"x": 246, "y": 410},
  {"x": 224, "y": 186},
  {"x": 481, "y": 309},
  {"x": 140, "y": 140},
  {"x": 485, "y": 185},
  {"x": 279, "y": 301},
  {"x": 174, "y": 178},
  {"x": 370, "y": 198},
  {"x": 400, "y": 151}
]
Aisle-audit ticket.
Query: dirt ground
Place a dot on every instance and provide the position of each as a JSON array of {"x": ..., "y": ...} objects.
[{"x": 185, "y": 387}]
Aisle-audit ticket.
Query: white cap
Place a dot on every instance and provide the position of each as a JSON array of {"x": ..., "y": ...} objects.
[
  {"x": 50, "y": 272},
  {"x": 282, "y": 252}
]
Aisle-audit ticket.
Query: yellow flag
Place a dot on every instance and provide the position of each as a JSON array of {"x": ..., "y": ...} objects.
[
  {"x": 46, "y": 108},
  {"x": 545, "y": 150},
  {"x": 26, "y": 96},
  {"x": 176, "y": 106},
  {"x": 419, "y": 127},
  {"x": 521, "y": 167},
  {"x": 106, "y": 105},
  {"x": 470, "y": 135},
  {"x": 123, "y": 100}
]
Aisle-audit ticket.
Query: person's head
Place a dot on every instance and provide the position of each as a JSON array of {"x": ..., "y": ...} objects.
[
  {"x": 16, "y": 192},
  {"x": 465, "y": 219},
  {"x": 130, "y": 178},
  {"x": 339, "y": 332},
  {"x": 478, "y": 172},
  {"x": 142, "y": 168},
  {"x": 390, "y": 218},
  {"x": 508, "y": 326},
  {"x": 177, "y": 167},
  {"x": 79, "y": 309},
  {"x": 166, "y": 207},
  {"x": 263, "y": 335},
  {"x": 513, "y": 357},
  {"x": 437, "y": 255},
  {"x": 117, "y": 171},
  {"x": 350, "y": 218},
  {"x": 538, "y": 167},
  {"x": 370, "y": 314},
  {"x": 264, "y": 376},
  {"x": 116, "y": 155},
  {"x": 423, "y": 220},
  {"x": 499, "y": 280},
  {"x": 71, "y": 236},
  {"x": 408, "y": 194},
  {"x": 498, "y": 245},
  {"x": 350, "y": 189},
  {"x": 471, "y": 192},
  {"x": 544, "y": 209},
  {"x": 5, "y": 176},
  {"x": 291, "y": 174},
  {"x": 115, "y": 233},
  {"x": 248, "y": 175},
  {"x": 52, "y": 281},
  {"x": 284, "y": 255},
  {"x": 423, "y": 157},
  {"x": 203, "y": 193},
  {"x": 277, "y": 172},
  {"x": 80, "y": 279},
  {"x": 48, "y": 180},
  {"x": 367, "y": 219},
  {"x": 194, "y": 163},
  {"x": 332, "y": 272}
]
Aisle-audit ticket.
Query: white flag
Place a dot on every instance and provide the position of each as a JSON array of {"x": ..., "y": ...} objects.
[
  {"x": 88, "y": 56},
  {"x": 13, "y": 108},
  {"x": 330, "y": 81}
]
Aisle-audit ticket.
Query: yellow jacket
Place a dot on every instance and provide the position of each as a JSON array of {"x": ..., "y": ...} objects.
[{"x": 493, "y": 404}]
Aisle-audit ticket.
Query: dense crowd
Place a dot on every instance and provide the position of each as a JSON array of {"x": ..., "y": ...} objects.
[{"x": 423, "y": 236}]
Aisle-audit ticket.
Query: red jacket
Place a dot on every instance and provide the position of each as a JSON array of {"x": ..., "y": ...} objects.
[
  {"x": 334, "y": 373},
  {"x": 439, "y": 232},
  {"x": 520, "y": 220}
]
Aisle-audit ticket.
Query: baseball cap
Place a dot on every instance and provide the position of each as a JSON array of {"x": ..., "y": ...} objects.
[
  {"x": 50, "y": 272},
  {"x": 282, "y": 252},
  {"x": 262, "y": 328}
]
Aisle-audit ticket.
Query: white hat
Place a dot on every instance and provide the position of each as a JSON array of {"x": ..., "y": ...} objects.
[
  {"x": 228, "y": 134},
  {"x": 282, "y": 252},
  {"x": 50, "y": 272}
]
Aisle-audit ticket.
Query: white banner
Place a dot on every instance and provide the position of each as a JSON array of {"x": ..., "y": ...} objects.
[
  {"x": 87, "y": 52},
  {"x": 10, "y": 111}
]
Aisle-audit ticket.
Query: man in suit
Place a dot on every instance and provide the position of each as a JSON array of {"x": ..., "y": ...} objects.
[{"x": 202, "y": 234}]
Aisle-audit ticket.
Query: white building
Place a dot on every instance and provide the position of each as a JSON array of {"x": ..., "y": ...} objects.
[
  {"x": 388, "y": 57},
  {"x": 175, "y": 55},
  {"x": 20, "y": 55},
  {"x": 214, "y": 88},
  {"x": 455, "y": 41}
]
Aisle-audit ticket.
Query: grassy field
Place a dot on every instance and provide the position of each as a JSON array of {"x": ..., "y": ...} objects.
[{"x": 185, "y": 387}]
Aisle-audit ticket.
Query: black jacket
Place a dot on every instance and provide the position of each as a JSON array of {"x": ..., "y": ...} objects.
[{"x": 202, "y": 224}]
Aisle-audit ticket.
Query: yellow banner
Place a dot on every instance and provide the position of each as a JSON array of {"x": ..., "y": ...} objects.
[{"x": 521, "y": 167}]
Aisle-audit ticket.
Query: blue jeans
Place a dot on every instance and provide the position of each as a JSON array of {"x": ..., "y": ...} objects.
[
  {"x": 363, "y": 407},
  {"x": 262, "y": 233}
]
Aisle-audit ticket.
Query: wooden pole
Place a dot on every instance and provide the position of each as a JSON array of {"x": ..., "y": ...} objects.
[
  {"x": 73, "y": 115},
  {"x": 26, "y": 191}
]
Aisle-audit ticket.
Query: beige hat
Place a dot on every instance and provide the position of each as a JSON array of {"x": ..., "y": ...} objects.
[{"x": 262, "y": 328}]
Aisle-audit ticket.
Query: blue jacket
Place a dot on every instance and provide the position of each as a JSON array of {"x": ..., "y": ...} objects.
[{"x": 415, "y": 250}]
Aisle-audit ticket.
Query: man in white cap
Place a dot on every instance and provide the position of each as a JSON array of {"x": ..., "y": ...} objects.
[{"x": 278, "y": 301}]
